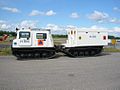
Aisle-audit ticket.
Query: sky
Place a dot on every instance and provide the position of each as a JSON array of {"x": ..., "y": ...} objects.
[{"x": 60, "y": 14}]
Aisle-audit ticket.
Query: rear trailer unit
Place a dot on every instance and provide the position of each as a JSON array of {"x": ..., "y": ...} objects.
[{"x": 85, "y": 42}]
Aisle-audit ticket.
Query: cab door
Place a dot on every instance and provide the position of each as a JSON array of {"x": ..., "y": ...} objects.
[
  {"x": 41, "y": 39},
  {"x": 25, "y": 39}
]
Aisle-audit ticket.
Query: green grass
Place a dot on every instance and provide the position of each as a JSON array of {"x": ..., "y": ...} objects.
[
  {"x": 57, "y": 41},
  {"x": 111, "y": 50},
  {"x": 5, "y": 51}
]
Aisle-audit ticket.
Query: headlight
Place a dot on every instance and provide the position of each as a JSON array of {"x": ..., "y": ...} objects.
[{"x": 15, "y": 43}]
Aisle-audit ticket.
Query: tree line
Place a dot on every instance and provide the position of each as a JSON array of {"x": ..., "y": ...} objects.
[
  {"x": 11, "y": 33},
  {"x": 113, "y": 37}
]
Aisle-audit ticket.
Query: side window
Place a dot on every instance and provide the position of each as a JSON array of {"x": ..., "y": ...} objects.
[
  {"x": 24, "y": 34},
  {"x": 41, "y": 36},
  {"x": 71, "y": 32}
]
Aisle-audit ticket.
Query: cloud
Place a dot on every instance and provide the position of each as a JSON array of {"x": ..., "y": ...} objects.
[
  {"x": 98, "y": 16},
  {"x": 74, "y": 15},
  {"x": 114, "y": 20},
  {"x": 27, "y": 24},
  {"x": 4, "y": 25},
  {"x": 71, "y": 27},
  {"x": 13, "y": 10},
  {"x": 113, "y": 31},
  {"x": 116, "y": 9},
  {"x": 50, "y": 13},
  {"x": 56, "y": 29},
  {"x": 117, "y": 29},
  {"x": 59, "y": 28},
  {"x": 102, "y": 17},
  {"x": 52, "y": 26},
  {"x": 98, "y": 27},
  {"x": 36, "y": 13}
]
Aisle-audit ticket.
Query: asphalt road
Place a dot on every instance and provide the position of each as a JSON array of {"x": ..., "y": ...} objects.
[{"x": 61, "y": 73}]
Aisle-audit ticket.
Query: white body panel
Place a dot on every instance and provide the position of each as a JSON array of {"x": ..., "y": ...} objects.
[
  {"x": 86, "y": 37},
  {"x": 33, "y": 41}
]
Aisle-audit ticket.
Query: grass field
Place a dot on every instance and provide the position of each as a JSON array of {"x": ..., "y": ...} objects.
[
  {"x": 111, "y": 50},
  {"x": 7, "y": 49},
  {"x": 59, "y": 41}
]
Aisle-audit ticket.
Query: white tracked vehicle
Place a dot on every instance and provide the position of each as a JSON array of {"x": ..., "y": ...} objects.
[
  {"x": 33, "y": 43},
  {"x": 39, "y": 43},
  {"x": 85, "y": 42}
]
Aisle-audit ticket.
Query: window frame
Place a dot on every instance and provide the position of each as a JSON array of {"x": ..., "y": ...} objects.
[
  {"x": 23, "y": 32},
  {"x": 44, "y": 36}
]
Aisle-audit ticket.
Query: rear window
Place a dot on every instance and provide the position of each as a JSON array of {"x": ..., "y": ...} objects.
[
  {"x": 24, "y": 35},
  {"x": 41, "y": 36}
]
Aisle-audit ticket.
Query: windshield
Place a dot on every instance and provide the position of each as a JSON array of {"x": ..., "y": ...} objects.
[{"x": 24, "y": 35}]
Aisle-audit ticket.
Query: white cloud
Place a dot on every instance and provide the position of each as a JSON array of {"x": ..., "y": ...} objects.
[
  {"x": 117, "y": 29},
  {"x": 102, "y": 17},
  {"x": 56, "y": 29},
  {"x": 114, "y": 31},
  {"x": 74, "y": 15},
  {"x": 94, "y": 27},
  {"x": 114, "y": 20},
  {"x": 71, "y": 27},
  {"x": 13, "y": 10},
  {"x": 53, "y": 27},
  {"x": 27, "y": 24},
  {"x": 98, "y": 16},
  {"x": 4, "y": 25},
  {"x": 116, "y": 9},
  {"x": 36, "y": 13},
  {"x": 111, "y": 31},
  {"x": 98, "y": 27},
  {"x": 50, "y": 13}
]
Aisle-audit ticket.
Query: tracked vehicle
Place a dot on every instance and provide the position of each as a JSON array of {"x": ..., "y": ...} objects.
[
  {"x": 39, "y": 43},
  {"x": 84, "y": 42},
  {"x": 33, "y": 43}
]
